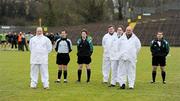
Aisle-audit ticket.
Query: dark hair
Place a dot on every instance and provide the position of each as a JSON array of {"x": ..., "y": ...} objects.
[
  {"x": 122, "y": 27},
  {"x": 64, "y": 31},
  {"x": 111, "y": 26},
  {"x": 84, "y": 30}
]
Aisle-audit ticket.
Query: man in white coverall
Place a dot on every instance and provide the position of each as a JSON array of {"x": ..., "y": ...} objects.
[
  {"x": 107, "y": 45},
  {"x": 114, "y": 56},
  {"x": 40, "y": 47},
  {"x": 129, "y": 46}
]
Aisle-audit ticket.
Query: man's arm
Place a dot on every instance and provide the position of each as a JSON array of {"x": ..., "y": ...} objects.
[
  {"x": 91, "y": 46},
  {"x": 30, "y": 44},
  {"x": 167, "y": 47},
  {"x": 103, "y": 42},
  {"x": 49, "y": 45},
  {"x": 151, "y": 46},
  {"x": 138, "y": 45}
]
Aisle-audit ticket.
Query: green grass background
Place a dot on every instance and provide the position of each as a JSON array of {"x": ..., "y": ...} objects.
[{"x": 15, "y": 78}]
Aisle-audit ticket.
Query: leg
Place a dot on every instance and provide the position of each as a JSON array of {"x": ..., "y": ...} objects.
[
  {"x": 154, "y": 69},
  {"x": 88, "y": 68},
  {"x": 12, "y": 45},
  {"x": 22, "y": 46},
  {"x": 59, "y": 74},
  {"x": 19, "y": 46},
  {"x": 114, "y": 66},
  {"x": 79, "y": 72},
  {"x": 163, "y": 74},
  {"x": 106, "y": 69},
  {"x": 65, "y": 73},
  {"x": 162, "y": 65},
  {"x": 44, "y": 75},
  {"x": 15, "y": 45},
  {"x": 26, "y": 46},
  {"x": 155, "y": 63},
  {"x": 34, "y": 75},
  {"x": 122, "y": 73},
  {"x": 131, "y": 71}
]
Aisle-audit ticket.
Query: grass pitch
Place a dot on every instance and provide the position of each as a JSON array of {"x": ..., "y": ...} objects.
[{"x": 15, "y": 78}]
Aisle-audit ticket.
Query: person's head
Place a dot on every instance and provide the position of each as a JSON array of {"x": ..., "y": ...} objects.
[
  {"x": 20, "y": 33},
  {"x": 120, "y": 30},
  {"x": 111, "y": 29},
  {"x": 63, "y": 34},
  {"x": 159, "y": 35},
  {"x": 129, "y": 30},
  {"x": 84, "y": 33},
  {"x": 39, "y": 31}
]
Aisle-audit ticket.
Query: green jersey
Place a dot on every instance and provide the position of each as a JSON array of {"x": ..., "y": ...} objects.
[{"x": 3, "y": 38}]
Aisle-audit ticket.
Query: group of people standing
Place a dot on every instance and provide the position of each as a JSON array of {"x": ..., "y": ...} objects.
[
  {"x": 13, "y": 40},
  {"x": 41, "y": 46},
  {"x": 120, "y": 53},
  {"x": 120, "y": 47}
]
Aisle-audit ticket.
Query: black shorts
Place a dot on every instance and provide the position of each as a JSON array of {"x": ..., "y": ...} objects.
[
  {"x": 159, "y": 61},
  {"x": 3, "y": 41},
  {"x": 84, "y": 60},
  {"x": 62, "y": 59}
]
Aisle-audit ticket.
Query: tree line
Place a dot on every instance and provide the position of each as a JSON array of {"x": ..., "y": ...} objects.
[{"x": 64, "y": 12}]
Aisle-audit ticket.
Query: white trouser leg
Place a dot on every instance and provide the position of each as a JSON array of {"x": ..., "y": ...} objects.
[
  {"x": 34, "y": 74},
  {"x": 44, "y": 74},
  {"x": 122, "y": 72},
  {"x": 106, "y": 68},
  {"x": 114, "y": 66},
  {"x": 131, "y": 72}
]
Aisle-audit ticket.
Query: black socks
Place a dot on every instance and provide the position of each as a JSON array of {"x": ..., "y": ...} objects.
[
  {"x": 59, "y": 74},
  {"x": 153, "y": 76},
  {"x": 65, "y": 74},
  {"x": 88, "y": 74},
  {"x": 79, "y": 74},
  {"x": 163, "y": 74}
]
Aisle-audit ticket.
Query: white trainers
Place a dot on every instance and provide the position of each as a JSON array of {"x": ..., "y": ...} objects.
[
  {"x": 65, "y": 81},
  {"x": 58, "y": 81}
]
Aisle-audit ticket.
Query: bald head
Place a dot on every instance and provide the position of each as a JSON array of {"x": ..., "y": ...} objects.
[
  {"x": 39, "y": 31},
  {"x": 129, "y": 30}
]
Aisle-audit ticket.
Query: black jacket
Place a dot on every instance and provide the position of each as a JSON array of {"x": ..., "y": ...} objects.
[
  {"x": 157, "y": 50},
  {"x": 85, "y": 47}
]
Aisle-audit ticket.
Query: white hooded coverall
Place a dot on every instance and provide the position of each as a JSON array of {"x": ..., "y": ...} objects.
[
  {"x": 40, "y": 47},
  {"x": 107, "y": 45},
  {"x": 128, "y": 52},
  {"x": 114, "y": 57}
]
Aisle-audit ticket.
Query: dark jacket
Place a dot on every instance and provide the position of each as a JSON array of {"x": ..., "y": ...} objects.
[
  {"x": 84, "y": 48},
  {"x": 157, "y": 50}
]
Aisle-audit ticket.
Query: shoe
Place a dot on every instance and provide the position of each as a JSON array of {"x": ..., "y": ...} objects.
[
  {"x": 65, "y": 81},
  {"x": 164, "y": 82},
  {"x": 78, "y": 81},
  {"x": 105, "y": 83},
  {"x": 88, "y": 81},
  {"x": 47, "y": 88},
  {"x": 131, "y": 88},
  {"x": 57, "y": 81},
  {"x": 111, "y": 85},
  {"x": 152, "y": 82},
  {"x": 33, "y": 87},
  {"x": 123, "y": 86}
]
